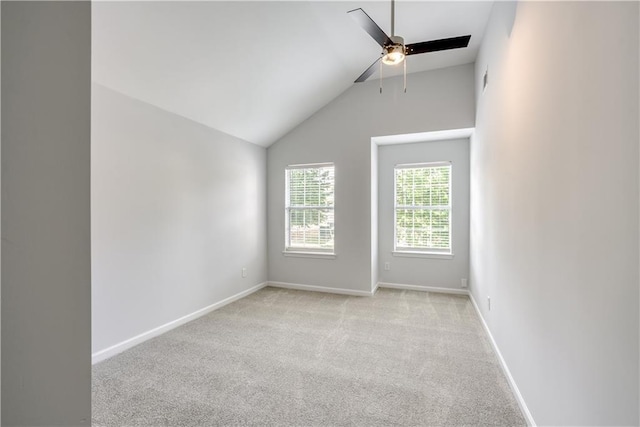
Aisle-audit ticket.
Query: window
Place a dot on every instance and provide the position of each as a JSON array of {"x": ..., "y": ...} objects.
[
  {"x": 309, "y": 204},
  {"x": 423, "y": 208}
]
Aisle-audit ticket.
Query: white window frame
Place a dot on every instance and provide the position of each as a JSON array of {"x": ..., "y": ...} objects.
[
  {"x": 423, "y": 252},
  {"x": 312, "y": 252}
]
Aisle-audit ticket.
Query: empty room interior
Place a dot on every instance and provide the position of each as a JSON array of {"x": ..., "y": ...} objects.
[{"x": 318, "y": 213}]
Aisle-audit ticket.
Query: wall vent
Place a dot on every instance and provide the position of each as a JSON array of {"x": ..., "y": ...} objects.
[{"x": 485, "y": 79}]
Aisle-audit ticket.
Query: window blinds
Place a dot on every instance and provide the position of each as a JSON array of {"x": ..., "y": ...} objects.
[
  {"x": 309, "y": 210},
  {"x": 423, "y": 207}
]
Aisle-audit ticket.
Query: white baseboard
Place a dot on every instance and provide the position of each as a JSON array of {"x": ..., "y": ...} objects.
[
  {"x": 101, "y": 355},
  {"x": 512, "y": 383},
  {"x": 314, "y": 288},
  {"x": 441, "y": 290}
]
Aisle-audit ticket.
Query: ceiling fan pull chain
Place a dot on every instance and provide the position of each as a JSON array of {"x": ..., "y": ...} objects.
[
  {"x": 405, "y": 75},
  {"x": 380, "y": 77}
]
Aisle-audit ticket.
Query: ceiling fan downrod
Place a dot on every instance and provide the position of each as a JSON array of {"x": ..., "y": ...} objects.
[{"x": 393, "y": 17}]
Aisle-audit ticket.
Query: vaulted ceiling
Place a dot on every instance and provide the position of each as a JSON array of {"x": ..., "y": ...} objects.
[{"x": 255, "y": 70}]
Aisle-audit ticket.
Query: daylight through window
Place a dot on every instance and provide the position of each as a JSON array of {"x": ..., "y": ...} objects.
[
  {"x": 309, "y": 208},
  {"x": 423, "y": 207}
]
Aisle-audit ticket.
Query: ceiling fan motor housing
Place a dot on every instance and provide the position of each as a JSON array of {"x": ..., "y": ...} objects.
[{"x": 397, "y": 40}]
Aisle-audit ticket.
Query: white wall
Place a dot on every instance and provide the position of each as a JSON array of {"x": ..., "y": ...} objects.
[
  {"x": 341, "y": 133},
  {"x": 443, "y": 273},
  {"x": 554, "y": 205},
  {"x": 178, "y": 209},
  {"x": 46, "y": 276}
]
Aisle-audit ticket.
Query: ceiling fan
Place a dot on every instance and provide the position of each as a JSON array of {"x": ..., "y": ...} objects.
[{"x": 394, "y": 51}]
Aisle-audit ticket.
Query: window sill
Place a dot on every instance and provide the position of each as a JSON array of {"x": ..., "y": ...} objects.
[
  {"x": 433, "y": 255},
  {"x": 302, "y": 254}
]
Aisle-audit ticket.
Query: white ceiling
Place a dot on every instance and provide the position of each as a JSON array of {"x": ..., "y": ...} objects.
[{"x": 255, "y": 70}]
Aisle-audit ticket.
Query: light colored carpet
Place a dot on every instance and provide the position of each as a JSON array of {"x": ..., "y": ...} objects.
[{"x": 284, "y": 357}]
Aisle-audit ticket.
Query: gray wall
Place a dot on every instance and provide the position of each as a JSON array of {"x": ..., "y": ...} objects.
[
  {"x": 554, "y": 205},
  {"x": 443, "y": 273},
  {"x": 341, "y": 133},
  {"x": 46, "y": 251},
  {"x": 178, "y": 209}
]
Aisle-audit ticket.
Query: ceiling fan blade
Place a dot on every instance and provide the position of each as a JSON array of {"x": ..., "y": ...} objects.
[
  {"x": 367, "y": 73},
  {"x": 436, "y": 45},
  {"x": 367, "y": 24}
]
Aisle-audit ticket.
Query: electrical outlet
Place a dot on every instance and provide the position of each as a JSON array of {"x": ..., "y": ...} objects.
[
  {"x": 387, "y": 266},
  {"x": 489, "y": 303},
  {"x": 244, "y": 272},
  {"x": 463, "y": 283}
]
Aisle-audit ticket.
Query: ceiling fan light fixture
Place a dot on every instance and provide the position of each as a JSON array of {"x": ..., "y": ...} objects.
[{"x": 394, "y": 53}]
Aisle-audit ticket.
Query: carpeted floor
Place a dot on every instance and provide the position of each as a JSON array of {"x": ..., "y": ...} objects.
[{"x": 295, "y": 358}]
